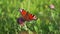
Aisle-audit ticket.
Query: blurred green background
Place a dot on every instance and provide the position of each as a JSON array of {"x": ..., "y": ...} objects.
[{"x": 48, "y": 21}]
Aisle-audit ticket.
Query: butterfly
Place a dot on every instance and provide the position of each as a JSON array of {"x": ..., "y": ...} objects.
[{"x": 26, "y": 16}]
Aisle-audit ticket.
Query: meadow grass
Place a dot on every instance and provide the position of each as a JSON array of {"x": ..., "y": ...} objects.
[{"x": 48, "y": 21}]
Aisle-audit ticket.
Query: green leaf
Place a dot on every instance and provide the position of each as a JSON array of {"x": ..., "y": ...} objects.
[{"x": 36, "y": 28}]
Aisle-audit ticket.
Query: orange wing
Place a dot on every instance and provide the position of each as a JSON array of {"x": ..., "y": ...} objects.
[
  {"x": 27, "y": 16},
  {"x": 23, "y": 12}
]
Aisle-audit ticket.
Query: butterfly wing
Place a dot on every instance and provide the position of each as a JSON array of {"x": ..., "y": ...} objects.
[
  {"x": 32, "y": 17},
  {"x": 23, "y": 12},
  {"x": 26, "y": 15}
]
